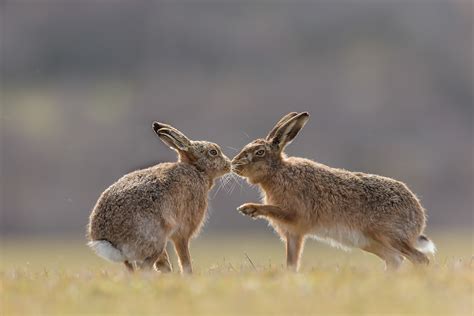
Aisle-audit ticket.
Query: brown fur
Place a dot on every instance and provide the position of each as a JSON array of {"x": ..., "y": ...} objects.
[
  {"x": 139, "y": 213},
  {"x": 305, "y": 198}
]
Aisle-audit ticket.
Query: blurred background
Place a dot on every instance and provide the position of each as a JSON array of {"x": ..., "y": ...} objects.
[{"x": 389, "y": 87}]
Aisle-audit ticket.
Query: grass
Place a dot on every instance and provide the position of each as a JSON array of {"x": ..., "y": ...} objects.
[{"x": 234, "y": 275}]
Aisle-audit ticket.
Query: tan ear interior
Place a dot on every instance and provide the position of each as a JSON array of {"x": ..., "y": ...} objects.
[
  {"x": 283, "y": 120},
  {"x": 174, "y": 138},
  {"x": 289, "y": 129}
]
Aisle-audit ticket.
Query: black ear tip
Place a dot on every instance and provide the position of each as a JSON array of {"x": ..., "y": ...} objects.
[
  {"x": 305, "y": 114},
  {"x": 156, "y": 126}
]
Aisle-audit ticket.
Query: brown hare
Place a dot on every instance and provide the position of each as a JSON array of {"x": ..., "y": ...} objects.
[
  {"x": 347, "y": 209},
  {"x": 137, "y": 215}
]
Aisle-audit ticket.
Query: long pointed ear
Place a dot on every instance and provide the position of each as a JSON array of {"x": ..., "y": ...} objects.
[
  {"x": 171, "y": 136},
  {"x": 279, "y": 123},
  {"x": 288, "y": 130}
]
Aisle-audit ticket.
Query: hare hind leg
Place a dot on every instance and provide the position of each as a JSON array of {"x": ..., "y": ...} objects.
[
  {"x": 181, "y": 246},
  {"x": 129, "y": 266},
  {"x": 412, "y": 254},
  {"x": 157, "y": 251},
  {"x": 392, "y": 258},
  {"x": 163, "y": 263},
  {"x": 159, "y": 262},
  {"x": 294, "y": 247}
]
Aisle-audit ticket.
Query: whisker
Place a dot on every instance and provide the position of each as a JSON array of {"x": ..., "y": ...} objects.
[
  {"x": 217, "y": 191},
  {"x": 226, "y": 180},
  {"x": 224, "y": 184},
  {"x": 230, "y": 183},
  {"x": 234, "y": 184},
  {"x": 237, "y": 180},
  {"x": 221, "y": 184},
  {"x": 229, "y": 191},
  {"x": 235, "y": 149}
]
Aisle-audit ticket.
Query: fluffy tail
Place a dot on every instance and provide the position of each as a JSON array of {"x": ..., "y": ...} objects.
[
  {"x": 425, "y": 245},
  {"x": 106, "y": 250}
]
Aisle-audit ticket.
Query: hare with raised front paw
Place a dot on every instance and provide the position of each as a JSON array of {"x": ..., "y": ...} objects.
[{"x": 347, "y": 209}]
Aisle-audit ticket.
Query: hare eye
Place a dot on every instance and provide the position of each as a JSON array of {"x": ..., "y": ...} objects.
[
  {"x": 260, "y": 152},
  {"x": 213, "y": 152}
]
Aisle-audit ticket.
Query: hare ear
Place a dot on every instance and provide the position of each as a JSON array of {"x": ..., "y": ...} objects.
[
  {"x": 279, "y": 123},
  {"x": 288, "y": 130},
  {"x": 171, "y": 136}
]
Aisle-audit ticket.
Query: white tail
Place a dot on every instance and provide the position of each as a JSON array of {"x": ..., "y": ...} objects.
[
  {"x": 104, "y": 249},
  {"x": 425, "y": 245}
]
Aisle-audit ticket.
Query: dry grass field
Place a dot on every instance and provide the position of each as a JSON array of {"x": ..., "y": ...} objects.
[{"x": 234, "y": 275}]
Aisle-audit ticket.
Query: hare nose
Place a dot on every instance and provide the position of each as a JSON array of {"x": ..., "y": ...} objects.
[
  {"x": 242, "y": 161},
  {"x": 242, "y": 158}
]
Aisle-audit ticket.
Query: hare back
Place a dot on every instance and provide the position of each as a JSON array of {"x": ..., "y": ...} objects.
[
  {"x": 147, "y": 206},
  {"x": 343, "y": 201}
]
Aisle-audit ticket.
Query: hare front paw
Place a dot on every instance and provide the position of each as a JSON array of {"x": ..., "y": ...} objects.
[{"x": 249, "y": 209}]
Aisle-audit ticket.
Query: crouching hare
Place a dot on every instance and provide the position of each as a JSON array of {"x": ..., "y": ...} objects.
[
  {"x": 347, "y": 209},
  {"x": 137, "y": 215}
]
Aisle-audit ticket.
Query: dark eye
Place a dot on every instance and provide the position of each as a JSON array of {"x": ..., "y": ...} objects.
[
  {"x": 213, "y": 152},
  {"x": 260, "y": 152}
]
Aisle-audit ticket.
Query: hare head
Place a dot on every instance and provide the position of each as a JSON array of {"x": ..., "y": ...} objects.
[
  {"x": 257, "y": 159},
  {"x": 205, "y": 156}
]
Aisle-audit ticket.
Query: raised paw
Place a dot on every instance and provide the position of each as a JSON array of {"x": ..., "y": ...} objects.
[{"x": 249, "y": 209}]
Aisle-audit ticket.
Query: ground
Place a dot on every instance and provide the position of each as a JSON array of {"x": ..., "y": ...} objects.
[{"x": 234, "y": 275}]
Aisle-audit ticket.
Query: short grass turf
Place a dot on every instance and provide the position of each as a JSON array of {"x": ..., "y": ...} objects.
[{"x": 234, "y": 275}]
